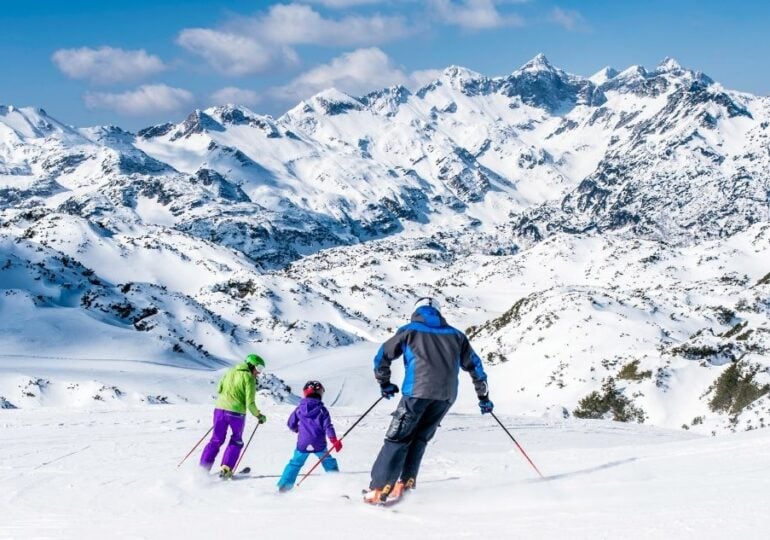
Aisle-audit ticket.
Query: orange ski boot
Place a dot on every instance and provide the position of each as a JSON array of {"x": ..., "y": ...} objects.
[
  {"x": 401, "y": 488},
  {"x": 378, "y": 496}
]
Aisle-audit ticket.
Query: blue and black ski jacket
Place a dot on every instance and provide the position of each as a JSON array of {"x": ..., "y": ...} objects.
[{"x": 433, "y": 353}]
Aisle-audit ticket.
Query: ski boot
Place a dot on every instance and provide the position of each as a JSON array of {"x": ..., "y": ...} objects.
[
  {"x": 401, "y": 487},
  {"x": 225, "y": 473},
  {"x": 377, "y": 496}
]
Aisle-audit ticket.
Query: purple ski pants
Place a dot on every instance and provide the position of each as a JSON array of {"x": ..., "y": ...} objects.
[{"x": 222, "y": 420}]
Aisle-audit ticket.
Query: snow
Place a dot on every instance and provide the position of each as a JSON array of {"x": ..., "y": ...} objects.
[
  {"x": 668, "y": 64},
  {"x": 603, "y": 75},
  {"x": 112, "y": 463},
  {"x": 70, "y": 474},
  {"x": 620, "y": 222},
  {"x": 537, "y": 64},
  {"x": 153, "y": 213}
]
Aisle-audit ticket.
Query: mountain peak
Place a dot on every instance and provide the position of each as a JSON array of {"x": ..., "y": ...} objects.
[
  {"x": 29, "y": 113},
  {"x": 32, "y": 122},
  {"x": 603, "y": 75},
  {"x": 667, "y": 65},
  {"x": 459, "y": 72},
  {"x": 538, "y": 63},
  {"x": 232, "y": 114},
  {"x": 333, "y": 94},
  {"x": 227, "y": 108},
  {"x": 633, "y": 72},
  {"x": 331, "y": 102}
]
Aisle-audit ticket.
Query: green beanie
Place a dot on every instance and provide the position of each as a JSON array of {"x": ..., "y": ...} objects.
[{"x": 255, "y": 360}]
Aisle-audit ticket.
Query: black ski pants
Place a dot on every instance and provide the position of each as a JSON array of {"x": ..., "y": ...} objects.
[{"x": 414, "y": 423}]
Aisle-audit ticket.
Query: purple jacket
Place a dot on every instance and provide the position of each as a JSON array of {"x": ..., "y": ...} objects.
[{"x": 311, "y": 421}]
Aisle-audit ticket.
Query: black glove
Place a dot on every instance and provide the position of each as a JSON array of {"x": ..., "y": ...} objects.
[
  {"x": 486, "y": 405},
  {"x": 388, "y": 390}
]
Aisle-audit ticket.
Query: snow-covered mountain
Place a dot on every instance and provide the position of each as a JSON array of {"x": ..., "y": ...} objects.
[{"x": 604, "y": 240}]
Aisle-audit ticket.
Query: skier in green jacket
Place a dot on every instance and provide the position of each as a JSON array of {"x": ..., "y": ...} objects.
[{"x": 236, "y": 389}]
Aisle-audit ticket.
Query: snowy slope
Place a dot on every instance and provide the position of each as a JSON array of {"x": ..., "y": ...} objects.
[
  {"x": 603, "y": 480},
  {"x": 605, "y": 234}
]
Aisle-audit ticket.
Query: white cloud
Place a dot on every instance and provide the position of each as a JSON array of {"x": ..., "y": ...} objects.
[
  {"x": 145, "y": 100},
  {"x": 107, "y": 65},
  {"x": 421, "y": 77},
  {"x": 231, "y": 53},
  {"x": 295, "y": 24},
  {"x": 473, "y": 14},
  {"x": 569, "y": 19},
  {"x": 356, "y": 73},
  {"x": 344, "y": 3},
  {"x": 236, "y": 96},
  {"x": 255, "y": 44}
]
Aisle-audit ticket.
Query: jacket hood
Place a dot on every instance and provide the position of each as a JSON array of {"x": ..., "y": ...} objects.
[
  {"x": 243, "y": 367},
  {"x": 310, "y": 407},
  {"x": 429, "y": 316}
]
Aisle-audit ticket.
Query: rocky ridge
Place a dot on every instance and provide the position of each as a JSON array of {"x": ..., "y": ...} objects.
[{"x": 196, "y": 240}]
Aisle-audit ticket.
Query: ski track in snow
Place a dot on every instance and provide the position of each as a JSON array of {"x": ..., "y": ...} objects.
[{"x": 74, "y": 474}]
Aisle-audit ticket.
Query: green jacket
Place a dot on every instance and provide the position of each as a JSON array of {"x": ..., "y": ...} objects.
[{"x": 236, "y": 391}]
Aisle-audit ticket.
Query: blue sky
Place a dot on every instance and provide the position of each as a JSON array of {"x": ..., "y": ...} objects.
[{"x": 139, "y": 62}]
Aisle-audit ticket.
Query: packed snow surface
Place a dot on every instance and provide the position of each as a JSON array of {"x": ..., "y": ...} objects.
[
  {"x": 112, "y": 473},
  {"x": 81, "y": 469}
]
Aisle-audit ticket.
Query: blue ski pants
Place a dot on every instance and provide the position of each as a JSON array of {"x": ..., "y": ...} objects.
[{"x": 291, "y": 471}]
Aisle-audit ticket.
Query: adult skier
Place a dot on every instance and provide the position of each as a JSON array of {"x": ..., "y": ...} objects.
[
  {"x": 433, "y": 354},
  {"x": 236, "y": 389}
]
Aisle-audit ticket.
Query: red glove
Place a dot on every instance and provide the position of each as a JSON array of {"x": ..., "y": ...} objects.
[{"x": 336, "y": 443}]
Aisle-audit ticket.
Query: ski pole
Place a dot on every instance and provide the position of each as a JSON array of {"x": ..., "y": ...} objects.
[
  {"x": 517, "y": 444},
  {"x": 329, "y": 451},
  {"x": 244, "y": 449},
  {"x": 194, "y": 447}
]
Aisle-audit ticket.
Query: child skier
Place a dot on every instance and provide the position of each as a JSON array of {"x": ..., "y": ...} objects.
[
  {"x": 311, "y": 421},
  {"x": 236, "y": 395}
]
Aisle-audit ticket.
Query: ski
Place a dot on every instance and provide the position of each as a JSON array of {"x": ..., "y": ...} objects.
[
  {"x": 242, "y": 474},
  {"x": 387, "y": 503}
]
